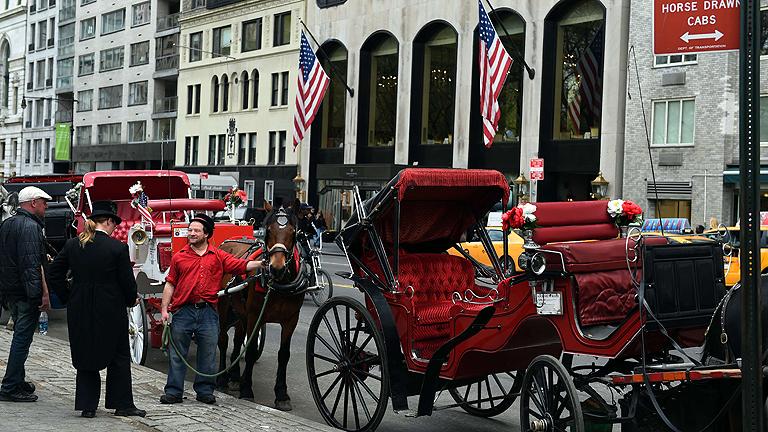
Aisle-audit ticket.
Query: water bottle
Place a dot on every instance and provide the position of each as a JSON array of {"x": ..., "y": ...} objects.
[{"x": 43, "y": 323}]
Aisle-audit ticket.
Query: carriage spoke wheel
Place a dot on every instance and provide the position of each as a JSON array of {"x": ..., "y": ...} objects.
[
  {"x": 138, "y": 333},
  {"x": 490, "y": 396},
  {"x": 549, "y": 401},
  {"x": 346, "y": 365},
  {"x": 325, "y": 284}
]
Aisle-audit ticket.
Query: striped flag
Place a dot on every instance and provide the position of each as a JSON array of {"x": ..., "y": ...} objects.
[
  {"x": 494, "y": 64},
  {"x": 140, "y": 204},
  {"x": 313, "y": 82},
  {"x": 588, "y": 99}
]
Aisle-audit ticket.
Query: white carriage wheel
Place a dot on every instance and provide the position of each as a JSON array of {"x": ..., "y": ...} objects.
[{"x": 138, "y": 333}]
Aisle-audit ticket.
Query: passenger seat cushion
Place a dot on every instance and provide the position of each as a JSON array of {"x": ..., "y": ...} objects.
[{"x": 604, "y": 297}]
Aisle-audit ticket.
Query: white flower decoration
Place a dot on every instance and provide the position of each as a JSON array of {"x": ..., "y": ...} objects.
[
  {"x": 136, "y": 188},
  {"x": 615, "y": 207},
  {"x": 529, "y": 209}
]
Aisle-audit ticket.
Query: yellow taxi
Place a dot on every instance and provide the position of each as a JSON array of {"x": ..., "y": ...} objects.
[
  {"x": 732, "y": 263},
  {"x": 476, "y": 250}
]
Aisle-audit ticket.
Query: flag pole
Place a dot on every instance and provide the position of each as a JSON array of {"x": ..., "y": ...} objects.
[
  {"x": 516, "y": 53},
  {"x": 330, "y": 63}
]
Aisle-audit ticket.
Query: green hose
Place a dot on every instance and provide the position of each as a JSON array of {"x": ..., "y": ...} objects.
[{"x": 168, "y": 340}]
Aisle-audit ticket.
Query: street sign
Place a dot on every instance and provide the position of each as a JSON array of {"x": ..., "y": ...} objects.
[
  {"x": 693, "y": 26},
  {"x": 537, "y": 169},
  {"x": 203, "y": 176}
]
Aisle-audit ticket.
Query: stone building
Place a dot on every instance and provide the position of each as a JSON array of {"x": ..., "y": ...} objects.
[{"x": 12, "y": 50}]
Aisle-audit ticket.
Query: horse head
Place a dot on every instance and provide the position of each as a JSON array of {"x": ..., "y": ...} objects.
[{"x": 280, "y": 241}]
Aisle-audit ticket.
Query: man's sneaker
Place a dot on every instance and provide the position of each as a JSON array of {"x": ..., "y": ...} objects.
[
  {"x": 170, "y": 399},
  {"x": 17, "y": 396},
  {"x": 27, "y": 387},
  {"x": 206, "y": 399}
]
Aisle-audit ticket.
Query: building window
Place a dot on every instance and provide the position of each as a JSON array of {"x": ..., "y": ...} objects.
[
  {"x": 195, "y": 46},
  {"x": 42, "y": 40},
  {"x": 282, "y": 34},
  {"x": 85, "y": 65},
  {"x": 246, "y": 91},
  {"x": 140, "y": 53},
  {"x": 27, "y": 151},
  {"x": 85, "y": 100},
  {"x": 275, "y": 89},
  {"x": 251, "y": 148},
  {"x": 673, "y": 122},
  {"x": 40, "y": 80},
  {"x": 137, "y": 131},
  {"x": 111, "y": 97},
  {"x": 140, "y": 14},
  {"x": 49, "y": 80},
  {"x": 110, "y": 59},
  {"x": 284, "y": 92},
  {"x": 281, "y": 151},
  {"x": 379, "y": 79},
  {"x": 83, "y": 135},
  {"x": 211, "y": 149},
  {"x": 333, "y": 110},
  {"x": 764, "y": 32},
  {"x": 195, "y": 145},
  {"x": 113, "y": 21},
  {"x": 221, "y": 149},
  {"x": 47, "y": 151},
  {"x": 674, "y": 209},
  {"x": 137, "y": 93},
  {"x": 197, "y": 99},
  {"x": 241, "y": 148},
  {"x": 764, "y": 120},
  {"x": 225, "y": 93},
  {"x": 272, "y": 148},
  {"x": 37, "y": 151},
  {"x": 222, "y": 41},
  {"x": 277, "y": 142},
  {"x": 109, "y": 133},
  {"x": 164, "y": 129},
  {"x": 255, "y": 89},
  {"x": 187, "y": 149},
  {"x": 190, "y": 98},
  {"x": 674, "y": 60},
  {"x": 215, "y": 94},
  {"x": 251, "y": 35},
  {"x": 436, "y": 82},
  {"x": 269, "y": 191}
]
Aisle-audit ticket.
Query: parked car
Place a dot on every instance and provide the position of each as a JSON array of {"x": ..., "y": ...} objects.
[
  {"x": 475, "y": 248},
  {"x": 732, "y": 263}
]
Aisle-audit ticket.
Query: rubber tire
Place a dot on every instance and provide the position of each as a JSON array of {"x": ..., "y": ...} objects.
[
  {"x": 317, "y": 298},
  {"x": 563, "y": 376},
  {"x": 504, "y": 405},
  {"x": 134, "y": 311}
]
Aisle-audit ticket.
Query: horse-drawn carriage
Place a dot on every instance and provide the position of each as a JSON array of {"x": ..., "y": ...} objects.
[{"x": 428, "y": 325}]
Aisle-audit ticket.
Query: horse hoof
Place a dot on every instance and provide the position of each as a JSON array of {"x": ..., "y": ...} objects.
[
  {"x": 284, "y": 405},
  {"x": 234, "y": 385}
]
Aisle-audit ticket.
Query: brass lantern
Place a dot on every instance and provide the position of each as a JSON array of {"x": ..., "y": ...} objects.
[
  {"x": 600, "y": 187},
  {"x": 522, "y": 186},
  {"x": 298, "y": 183}
]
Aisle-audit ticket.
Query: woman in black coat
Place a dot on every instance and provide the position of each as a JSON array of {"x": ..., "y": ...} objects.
[{"x": 102, "y": 287}]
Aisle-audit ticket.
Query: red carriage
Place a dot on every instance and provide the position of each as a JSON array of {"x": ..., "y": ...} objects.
[{"x": 429, "y": 324}]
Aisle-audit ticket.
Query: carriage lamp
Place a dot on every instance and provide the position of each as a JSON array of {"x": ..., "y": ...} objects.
[
  {"x": 231, "y": 131},
  {"x": 298, "y": 183},
  {"x": 521, "y": 188},
  {"x": 599, "y": 187}
]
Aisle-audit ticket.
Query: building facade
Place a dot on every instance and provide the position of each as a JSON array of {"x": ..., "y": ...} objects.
[
  {"x": 237, "y": 84},
  {"x": 414, "y": 73},
  {"x": 12, "y": 50},
  {"x": 122, "y": 75}
]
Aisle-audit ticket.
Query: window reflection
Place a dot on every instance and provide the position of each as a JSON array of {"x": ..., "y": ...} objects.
[
  {"x": 334, "y": 105},
  {"x": 511, "y": 96},
  {"x": 439, "y": 87},
  {"x": 382, "y": 109}
]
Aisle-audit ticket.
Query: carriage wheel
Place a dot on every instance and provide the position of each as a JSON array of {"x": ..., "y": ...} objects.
[
  {"x": 138, "y": 332},
  {"x": 491, "y": 396},
  {"x": 326, "y": 288},
  {"x": 347, "y": 365},
  {"x": 549, "y": 401}
]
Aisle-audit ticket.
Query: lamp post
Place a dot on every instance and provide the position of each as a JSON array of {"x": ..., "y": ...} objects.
[
  {"x": 298, "y": 183},
  {"x": 231, "y": 131},
  {"x": 521, "y": 188},
  {"x": 599, "y": 187}
]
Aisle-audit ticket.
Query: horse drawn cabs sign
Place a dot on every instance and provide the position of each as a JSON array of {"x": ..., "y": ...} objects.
[{"x": 429, "y": 326}]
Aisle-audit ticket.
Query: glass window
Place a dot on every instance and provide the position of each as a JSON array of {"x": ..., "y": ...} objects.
[
  {"x": 64, "y": 68},
  {"x": 111, "y": 97},
  {"x": 211, "y": 149},
  {"x": 164, "y": 129},
  {"x": 40, "y": 79},
  {"x": 113, "y": 21},
  {"x": 88, "y": 28},
  {"x": 272, "y": 148},
  {"x": 245, "y": 93},
  {"x": 195, "y": 145},
  {"x": 282, "y": 34},
  {"x": 511, "y": 95},
  {"x": 579, "y": 72},
  {"x": 764, "y": 119},
  {"x": 275, "y": 88},
  {"x": 224, "y": 93},
  {"x": 281, "y": 153},
  {"x": 255, "y": 89},
  {"x": 197, "y": 98},
  {"x": 85, "y": 100},
  {"x": 195, "y": 45},
  {"x": 187, "y": 149},
  {"x": 110, "y": 59},
  {"x": 137, "y": 93},
  {"x": 137, "y": 131},
  {"x": 284, "y": 92},
  {"x": 220, "y": 150},
  {"x": 222, "y": 41},
  {"x": 47, "y": 151},
  {"x": 43, "y": 34},
  {"x": 85, "y": 65},
  {"x": 83, "y": 135},
  {"x": 763, "y": 32},
  {"x": 252, "y": 35},
  {"x": 333, "y": 109},
  {"x": 673, "y": 122},
  {"x": 37, "y": 151},
  {"x": 140, "y": 53},
  {"x": 241, "y": 148},
  {"x": 252, "y": 148},
  {"x": 109, "y": 133},
  {"x": 190, "y": 98},
  {"x": 141, "y": 14},
  {"x": 674, "y": 60},
  {"x": 381, "y": 112},
  {"x": 438, "y": 82}
]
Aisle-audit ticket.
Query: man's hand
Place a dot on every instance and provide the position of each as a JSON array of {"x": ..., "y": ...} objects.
[
  {"x": 255, "y": 265},
  {"x": 165, "y": 316},
  {"x": 46, "y": 305}
]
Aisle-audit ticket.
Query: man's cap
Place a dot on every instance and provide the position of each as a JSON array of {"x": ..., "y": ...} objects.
[
  {"x": 30, "y": 193},
  {"x": 206, "y": 221}
]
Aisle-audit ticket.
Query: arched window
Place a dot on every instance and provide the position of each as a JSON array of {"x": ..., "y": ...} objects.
[
  {"x": 332, "y": 114},
  {"x": 245, "y": 90},
  {"x": 215, "y": 94},
  {"x": 255, "y": 86},
  {"x": 5, "y": 52},
  {"x": 224, "y": 93},
  {"x": 379, "y": 61}
]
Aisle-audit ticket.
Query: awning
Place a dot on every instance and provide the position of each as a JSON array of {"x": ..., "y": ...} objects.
[
  {"x": 733, "y": 176},
  {"x": 214, "y": 182}
]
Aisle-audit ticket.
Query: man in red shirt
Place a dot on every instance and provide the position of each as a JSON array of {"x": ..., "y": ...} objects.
[{"x": 190, "y": 293}]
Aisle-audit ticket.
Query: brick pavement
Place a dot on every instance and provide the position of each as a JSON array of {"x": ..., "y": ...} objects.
[{"x": 50, "y": 368}]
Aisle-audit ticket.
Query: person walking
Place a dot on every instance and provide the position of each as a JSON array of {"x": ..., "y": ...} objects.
[
  {"x": 22, "y": 253},
  {"x": 190, "y": 294},
  {"x": 103, "y": 286},
  {"x": 320, "y": 227}
]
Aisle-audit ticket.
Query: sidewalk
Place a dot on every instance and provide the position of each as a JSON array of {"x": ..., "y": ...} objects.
[{"x": 50, "y": 368}]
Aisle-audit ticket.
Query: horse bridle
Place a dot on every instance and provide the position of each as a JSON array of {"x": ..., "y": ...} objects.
[{"x": 282, "y": 219}]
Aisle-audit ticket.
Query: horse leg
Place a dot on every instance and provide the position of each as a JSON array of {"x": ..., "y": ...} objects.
[
  {"x": 282, "y": 400},
  {"x": 222, "y": 380},
  {"x": 234, "y": 373}
]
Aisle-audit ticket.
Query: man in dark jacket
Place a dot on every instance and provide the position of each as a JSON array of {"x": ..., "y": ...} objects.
[{"x": 22, "y": 250}]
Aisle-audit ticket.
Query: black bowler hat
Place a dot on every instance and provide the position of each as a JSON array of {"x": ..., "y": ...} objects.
[
  {"x": 105, "y": 208},
  {"x": 206, "y": 221}
]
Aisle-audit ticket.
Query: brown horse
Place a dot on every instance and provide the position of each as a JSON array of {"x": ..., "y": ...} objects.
[{"x": 286, "y": 278}]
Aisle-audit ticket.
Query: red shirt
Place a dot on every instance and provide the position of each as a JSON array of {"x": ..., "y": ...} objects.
[{"x": 197, "y": 278}]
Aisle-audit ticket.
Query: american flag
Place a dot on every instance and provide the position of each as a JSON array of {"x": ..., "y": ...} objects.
[
  {"x": 494, "y": 64},
  {"x": 313, "y": 82},
  {"x": 588, "y": 98},
  {"x": 140, "y": 204}
]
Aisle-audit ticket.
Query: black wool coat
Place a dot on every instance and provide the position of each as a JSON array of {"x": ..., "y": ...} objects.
[{"x": 102, "y": 287}]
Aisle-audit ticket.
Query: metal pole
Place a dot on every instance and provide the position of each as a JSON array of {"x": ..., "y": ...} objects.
[
  {"x": 749, "y": 166},
  {"x": 335, "y": 73}
]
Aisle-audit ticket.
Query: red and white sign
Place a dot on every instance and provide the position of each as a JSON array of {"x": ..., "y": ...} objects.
[
  {"x": 693, "y": 26},
  {"x": 537, "y": 169},
  {"x": 203, "y": 176}
]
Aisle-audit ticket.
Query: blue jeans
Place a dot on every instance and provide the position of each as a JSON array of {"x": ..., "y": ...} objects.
[
  {"x": 25, "y": 317},
  {"x": 204, "y": 325}
]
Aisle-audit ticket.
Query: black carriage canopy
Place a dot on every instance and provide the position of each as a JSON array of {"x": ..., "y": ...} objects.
[{"x": 437, "y": 207}]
